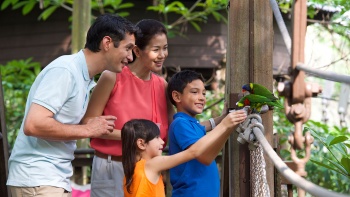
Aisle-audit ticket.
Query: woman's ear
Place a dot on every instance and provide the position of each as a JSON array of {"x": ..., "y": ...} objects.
[
  {"x": 136, "y": 51},
  {"x": 141, "y": 144},
  {"x": 176, "y": 96}
]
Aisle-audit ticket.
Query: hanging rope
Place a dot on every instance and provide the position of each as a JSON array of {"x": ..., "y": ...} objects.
[
  {"x": 260, "y": 187},
  {"x": 259, "y": 181}
]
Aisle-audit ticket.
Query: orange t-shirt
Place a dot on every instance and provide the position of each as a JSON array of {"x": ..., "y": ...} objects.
[
  {"x": 141, "y": 186},
  {"x": 134, "y": 98}
]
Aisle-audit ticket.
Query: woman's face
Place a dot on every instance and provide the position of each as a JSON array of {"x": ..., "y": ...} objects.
[{"x": 155, "y": 53}]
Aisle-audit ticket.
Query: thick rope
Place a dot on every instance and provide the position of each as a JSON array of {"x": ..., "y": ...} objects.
[
  {"x": 282, "y": 26},
  {"x": 331, "y": 76},
  {"x": 259, "y": 181},
  {"x": 289, "y": 174}
]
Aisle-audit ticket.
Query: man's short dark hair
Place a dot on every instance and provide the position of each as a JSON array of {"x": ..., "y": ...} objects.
[{"x": 110, "y": 25}]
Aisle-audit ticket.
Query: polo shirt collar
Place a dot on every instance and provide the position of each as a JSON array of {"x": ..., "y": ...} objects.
[
  {"x": 186, "y": 116},
  {"x": 84, "y": 65}
]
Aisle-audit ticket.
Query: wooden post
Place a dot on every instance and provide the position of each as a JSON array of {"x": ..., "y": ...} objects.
[
  {"x": 249, "y": 59},
  {"x": 299, "y": 17},
  {"x": 4, "y": 152},
  {"x": 80, "y": 25},
  {"x": 298, "y": 44}
]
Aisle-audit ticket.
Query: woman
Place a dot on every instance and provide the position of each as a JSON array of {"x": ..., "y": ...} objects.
[{"x": 136, "y": 92}]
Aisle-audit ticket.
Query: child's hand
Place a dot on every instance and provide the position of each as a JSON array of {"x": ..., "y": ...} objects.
[
  {"x": 234, "y": 118},
  {"x": 224, "y": 111}
]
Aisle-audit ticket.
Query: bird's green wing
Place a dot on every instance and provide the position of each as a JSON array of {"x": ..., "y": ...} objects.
[
  {"x": 254, "y": 98},
  {"x": 262, "y": 91},
  {"x": 276, "y": 103}
]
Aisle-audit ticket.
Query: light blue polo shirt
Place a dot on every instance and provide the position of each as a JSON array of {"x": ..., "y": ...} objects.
[{"x": 62, "y": 87}]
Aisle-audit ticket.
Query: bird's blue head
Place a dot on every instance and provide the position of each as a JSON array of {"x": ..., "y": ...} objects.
[{"x": 246, "y": 87}]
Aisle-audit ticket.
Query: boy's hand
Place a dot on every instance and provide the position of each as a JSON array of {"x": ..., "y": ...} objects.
[
  {"x": 225, "y": 110},
  {"x": 234, "y": 118}
]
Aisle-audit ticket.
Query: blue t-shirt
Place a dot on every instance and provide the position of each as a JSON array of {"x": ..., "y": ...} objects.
[
  {"x": 63, "y": 87},
  {"x": 191, "y": 178}
]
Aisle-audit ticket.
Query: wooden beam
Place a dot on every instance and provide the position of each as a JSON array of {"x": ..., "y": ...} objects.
[
  {"x": 80, "y": 25},
  {"x": 263, "y": 70},
  {"x": 4, "y": 152},
  {"x": 237, "y": 74},
  {"x": 299, "y": 12},
  {"x": 249, "y": 59}
]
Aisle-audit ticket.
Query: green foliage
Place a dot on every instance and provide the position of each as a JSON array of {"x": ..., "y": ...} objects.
[
  {"x": 197, "y": 14},
  {"x": 339, "y": 23},
  {"x": 329, "y": 165},
  {"x": 17, "y": 78},
  {"x": 214, "y": 106},
  {"x": 330, "y": 157},
  {"x": 50, "y": 6}
]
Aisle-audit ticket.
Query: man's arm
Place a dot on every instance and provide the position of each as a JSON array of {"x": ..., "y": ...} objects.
[
  {"x": 40, "y": 123},
  {"x": 99, "y": 99}
]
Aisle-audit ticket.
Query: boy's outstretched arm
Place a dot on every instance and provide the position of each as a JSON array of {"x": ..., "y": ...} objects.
[
  {"x": 209, "y": 146},
  {"x": 217, "y": 120},
  {"x": 204, "y": 150}
]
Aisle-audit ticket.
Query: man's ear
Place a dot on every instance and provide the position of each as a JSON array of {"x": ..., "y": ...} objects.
[
  {"x": 106, "y": 42},
  {"x": 141, "y": 144},
  {"x": 176, "y": 96}
]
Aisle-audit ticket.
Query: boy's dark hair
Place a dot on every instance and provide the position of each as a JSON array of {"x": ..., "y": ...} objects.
[
  {"x": 179, "y": 81},
  {"x": 148, "y": 29},
  {"x": 110, "y": 25},
  {"x": 132, "y": 131}
]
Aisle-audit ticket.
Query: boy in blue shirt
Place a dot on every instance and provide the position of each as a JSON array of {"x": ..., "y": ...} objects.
[{"x": 198, "y": 177}]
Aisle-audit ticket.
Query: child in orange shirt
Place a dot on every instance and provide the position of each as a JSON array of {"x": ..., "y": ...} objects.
[{"x": 143, "y": 161}]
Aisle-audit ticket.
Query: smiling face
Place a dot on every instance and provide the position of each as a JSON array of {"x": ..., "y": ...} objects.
[
  {"x": 155, "y": 53},
  {"x": 192, "y": 100},
  {"x": 118, "y": 57},
  {"x": 154, "y": 147}
]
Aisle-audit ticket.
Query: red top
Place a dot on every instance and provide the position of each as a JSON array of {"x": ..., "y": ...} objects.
[{"x": 134, "y": 98}]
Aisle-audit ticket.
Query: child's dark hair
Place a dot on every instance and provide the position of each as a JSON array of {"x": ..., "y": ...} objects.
[
  {"x": 110, "y": 25},
  {"x": 132, "y": 131},
  {"x": 148, "y": 29},
  {"x": 179, "y": 81}
]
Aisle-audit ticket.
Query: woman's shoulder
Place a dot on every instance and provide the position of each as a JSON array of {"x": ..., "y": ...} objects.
[{"x": 159, "y": 79}]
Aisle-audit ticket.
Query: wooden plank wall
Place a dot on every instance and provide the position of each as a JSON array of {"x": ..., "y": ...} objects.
[{"x": 24, "y": 37}]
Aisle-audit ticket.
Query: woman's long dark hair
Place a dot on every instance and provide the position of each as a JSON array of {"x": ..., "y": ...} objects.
[{"x": 132, "y": 131}]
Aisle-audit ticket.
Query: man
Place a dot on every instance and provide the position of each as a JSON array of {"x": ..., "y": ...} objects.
[{"x": 40, "y": 162}]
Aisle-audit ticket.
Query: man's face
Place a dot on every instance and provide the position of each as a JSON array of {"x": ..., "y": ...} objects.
[{"x": 122, "y": 55}]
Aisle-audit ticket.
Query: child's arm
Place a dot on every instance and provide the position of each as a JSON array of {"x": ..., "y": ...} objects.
[
  {"x": 219, "y": 135},
  {"x": 205, "y": 149},
  {"x": 210, "y": 126}
]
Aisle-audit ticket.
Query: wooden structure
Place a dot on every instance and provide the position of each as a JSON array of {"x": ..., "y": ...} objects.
[
  {"x": 250, "y": 53},
  {"x": 4, "y": 146},
  {"x": 255, "y": 47},
  {"x": 46, "y": 40}
]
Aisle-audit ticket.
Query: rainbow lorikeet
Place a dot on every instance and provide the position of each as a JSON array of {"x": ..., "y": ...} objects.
[
  {"x": 254, "y": 88},
  {"x": 258, "y": 102}
]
